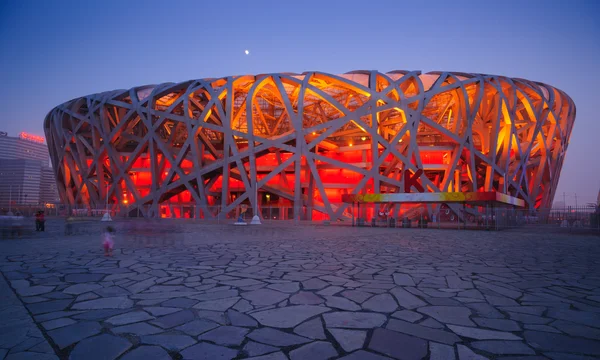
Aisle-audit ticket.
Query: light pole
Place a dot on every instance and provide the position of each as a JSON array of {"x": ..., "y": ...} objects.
[{"x": 106, "y": 216}]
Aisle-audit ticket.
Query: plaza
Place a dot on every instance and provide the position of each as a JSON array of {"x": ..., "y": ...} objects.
[{"x": 177, "y": 290}]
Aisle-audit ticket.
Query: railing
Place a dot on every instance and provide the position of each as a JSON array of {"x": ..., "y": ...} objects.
[{"x": 388, "y": 215}]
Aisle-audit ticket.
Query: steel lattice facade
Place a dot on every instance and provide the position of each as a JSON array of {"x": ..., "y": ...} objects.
[{"x": 305, "y": 140}]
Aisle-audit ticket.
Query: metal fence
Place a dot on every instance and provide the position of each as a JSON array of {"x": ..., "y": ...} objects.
[{"x": 378, "y": 215}]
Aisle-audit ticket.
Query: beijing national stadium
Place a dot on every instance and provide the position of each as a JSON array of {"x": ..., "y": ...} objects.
[{"x": 308, "y": 146}]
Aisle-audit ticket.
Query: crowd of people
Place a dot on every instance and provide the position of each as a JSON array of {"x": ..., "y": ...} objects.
[{"x": 13, "y": 225}]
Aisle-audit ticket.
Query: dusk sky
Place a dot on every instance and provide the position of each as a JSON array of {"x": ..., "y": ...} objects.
[{"x": 53, "y": 51}]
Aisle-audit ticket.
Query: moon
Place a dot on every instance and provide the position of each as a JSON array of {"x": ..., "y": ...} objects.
[{"x": 247, "y": 52}]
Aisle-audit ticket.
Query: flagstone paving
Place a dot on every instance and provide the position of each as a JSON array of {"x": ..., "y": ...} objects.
[{"x": 281, "y": 291}]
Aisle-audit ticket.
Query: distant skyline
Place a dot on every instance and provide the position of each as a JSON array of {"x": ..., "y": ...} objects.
[{"x": 55, "y": 51}]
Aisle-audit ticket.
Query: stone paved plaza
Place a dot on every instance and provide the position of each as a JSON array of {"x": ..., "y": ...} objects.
[{"x": 301, "y": 292}]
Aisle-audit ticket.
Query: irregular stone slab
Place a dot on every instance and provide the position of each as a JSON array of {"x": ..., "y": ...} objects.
[
  {"x": 577, "y": 330},
  {"x": 205, "y": 350},
  {"x": 167, "y": 288},
  {"x": 225, "y": 335},
  {"x": 364, "y": 355},
  {"x": 57, "y": 323},
  {"x": 580, "y": 317},
  {"x": 141, "y": 285},
  {"x": 330, "y": 290},
  {"x": 458, "y": 315},
  {"x": 147, "y": 352},
  {"x": 264, "y": 296},
  {"x": 407, "y": 315},
  {"x": 98, "y": 314},
  {"x": 498, "y": 324},
  {"x": 242, "y": 282},
  {"x": 423, "y": 332},
  {"x": 485, "y": 310},
  {"x": 160, "y": 311},
  {"x": 531, "y": 310},
  {"x": 180, "y": 303},
  {"x": 464, "y": 353},
  {"x": 112, "y": 291},
  {"x": 354, "y": 320},
  {"x": 454, "y": 282},
  {"x": 501, "y": 301},
  {"x": 119, "y": 302},
  {"x": 289, "y": 316},
  {"x": 471, "y": 294},
  {"x": 306, "y": 298},
  {"x": 86, "y": 296},
  {"x": 545, "y": 328},
  {"x": 130, "y": 317},
  {"x": 312, "y": 329},
  {"x": 216, "y": 305},
  {"x": 273, "y": 356},
  {"x": 440, "y": 351},
  {"x": 315, "y": 284},
  {"x": 432, "y": 323},
  {"x": 341, "y": 303},
  {"x": 274, "y": 337},
  {"x": 34, "y": 290},
  {"x": 19, "y": 284},
  {"x": 137, "y": 329},
  {"x": 398, "y": 345},
  {"x": 55, "y": 315},
  {"x": 68, "y": 335},
  {"x": 83, "y": 278},
  {"x": 243, "y": 306},
  {"x": 239, "y": 319},
  {"x": 28, "y": 355},
  {"x": 403, "y": 280},
  {"x": 197, "y": 327},
  {"x": 214, "y": 295},
  {"x": 318, "y": 350},
  {"x": 171, "y": 320},
  {"x": 349, "y": 340},
  {"x": 529, "y": 319},
  {"x": 513, "y": 294},
  {"x": 406, "y": 299},
  {"x": 255, "y": 349},
  {"x": 290, "y": 287},
  {"x": 214, "y": 316},
  {"x": 100, "y": 347},
  {"x": 12, "y": 338},
  {"x": 48, "y": 306},
  {"x": 482, "y": 334},
  {"x": 169, "y": 341},
  {"x": 561, "y": 343},
  {"x": 381, "y": 303},
  {"x": 555, "y": 356},
  {"x": 503, "y": 347},
  {"x": 357, "y": 295}
]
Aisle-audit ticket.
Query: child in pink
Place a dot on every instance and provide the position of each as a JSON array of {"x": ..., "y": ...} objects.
[{"x": 107, "y": 241}]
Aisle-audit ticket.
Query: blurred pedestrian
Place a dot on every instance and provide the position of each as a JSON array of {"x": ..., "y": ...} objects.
[
  {"x": 69, "y": 226},
  {"x": 41, "y": 220},
  {"x": 17, "y": 225},
  {"x": 38, "y": 225},
  {"x": 107, "y": 241}
]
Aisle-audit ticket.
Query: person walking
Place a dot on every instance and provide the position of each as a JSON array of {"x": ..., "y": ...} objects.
[
  {"x": 38, "y": 221},
  {"x": 42, "y": 221}
]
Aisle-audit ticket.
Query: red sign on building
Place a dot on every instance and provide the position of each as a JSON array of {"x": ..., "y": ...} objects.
[{"x": 30, "y": 137}]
